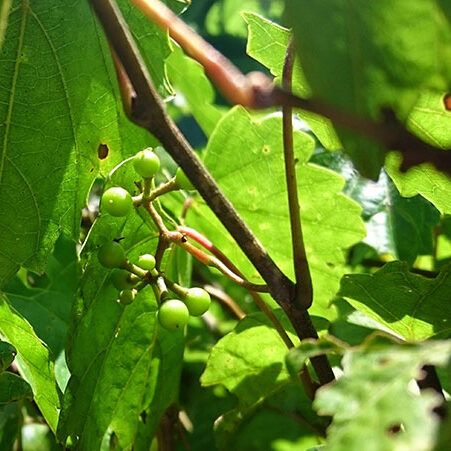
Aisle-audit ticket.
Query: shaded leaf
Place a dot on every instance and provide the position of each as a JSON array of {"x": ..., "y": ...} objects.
[
  {"x": 13, "y": 388},
  {"x": 371, "y": 69},
  {"x": 225, "y": 17},
  {"x": 7, "y": 354},
  {"x": 48, "y": 306},
  {"x": 10, "y": 422},
  {"x": 193, "y": 88},
  {"x": 33, "y": 360},
  {"x": 402, "y": 227},
  {"x": 410, "y": 305}
]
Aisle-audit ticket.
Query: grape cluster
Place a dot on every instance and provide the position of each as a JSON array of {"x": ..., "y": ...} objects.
[{"x": 175, "y": 308}]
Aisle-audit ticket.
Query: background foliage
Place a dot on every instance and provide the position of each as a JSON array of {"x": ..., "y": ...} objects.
[{"x": 80, "y": 369}]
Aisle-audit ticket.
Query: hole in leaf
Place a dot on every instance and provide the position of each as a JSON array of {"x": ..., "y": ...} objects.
[
  {"x": 394, "y": 429},
  {"x": 102, "y": 151},
  {"x": 447, "y": 101}
]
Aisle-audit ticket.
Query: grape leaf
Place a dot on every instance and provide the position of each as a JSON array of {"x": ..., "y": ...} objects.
[
  {"x": 33, "y": 360},
  {"x": 410, "y": 305},
  {"x": 57, "y": 104},
  {"x": 267, "y": 43},
  {"x": 245, "y": 158},
  {"x": 370, "y": 68},
  {"x": 423, "y": 179},
  {"x": 374, "y": 399},
  {"x": 250, "y": 372}
]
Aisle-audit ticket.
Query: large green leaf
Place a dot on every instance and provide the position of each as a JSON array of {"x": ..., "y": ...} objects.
[
  {"x": 371, "y": 55},
  {"x": 245, "y": 157},
  {"x": 249, "y": 360},
  {"x": 117, "y": 354},
  {"x": 267, "y": 43},
  {"x": 410, "y": 305},
  {"x": 57, "y": 104},
  {"x": 372, "y": 404},
  {"x": 33, "y": 360}
]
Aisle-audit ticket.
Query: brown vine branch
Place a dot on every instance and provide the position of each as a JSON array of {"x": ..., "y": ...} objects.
[
  {"x": 147, "y": 110},
  {"x": 257, "y": 91}
]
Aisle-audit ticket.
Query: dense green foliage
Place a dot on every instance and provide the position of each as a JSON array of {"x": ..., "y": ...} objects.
[{"x": 95, "y": 355}]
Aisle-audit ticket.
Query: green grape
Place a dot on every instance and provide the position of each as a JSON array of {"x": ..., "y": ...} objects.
[
  {"x": 122, "y": 279},
  {"x": 147, "y": 262},
  {"x": 182, "y": 180},
  {"x": 146, "y": 163},
  {"x": 197, "y": 300},
  {"x": 117, "y": 201},
  {"x": 173, "y": 314},
  {"x": 111, "y": 255},
  {"x": 126, "y": 297}
]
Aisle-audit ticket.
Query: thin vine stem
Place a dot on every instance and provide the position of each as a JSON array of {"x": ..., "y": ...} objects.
[{"x": 304, "y": 288}]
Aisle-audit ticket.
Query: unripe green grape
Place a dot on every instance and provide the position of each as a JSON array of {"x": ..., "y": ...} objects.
[
  {"x": 146, "y": 163},
  {"x": 122, "y": 279},
  {"x": 117, "y": 201},
  {"x": 126, "y": 297},
  {"x": 173, "y": 314},
  {"x": 182, "y": 180},
  {"x": 147, "y": 262},
  {"x": 111, "y": 255},
  {"x": 197, "y": 300}
]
